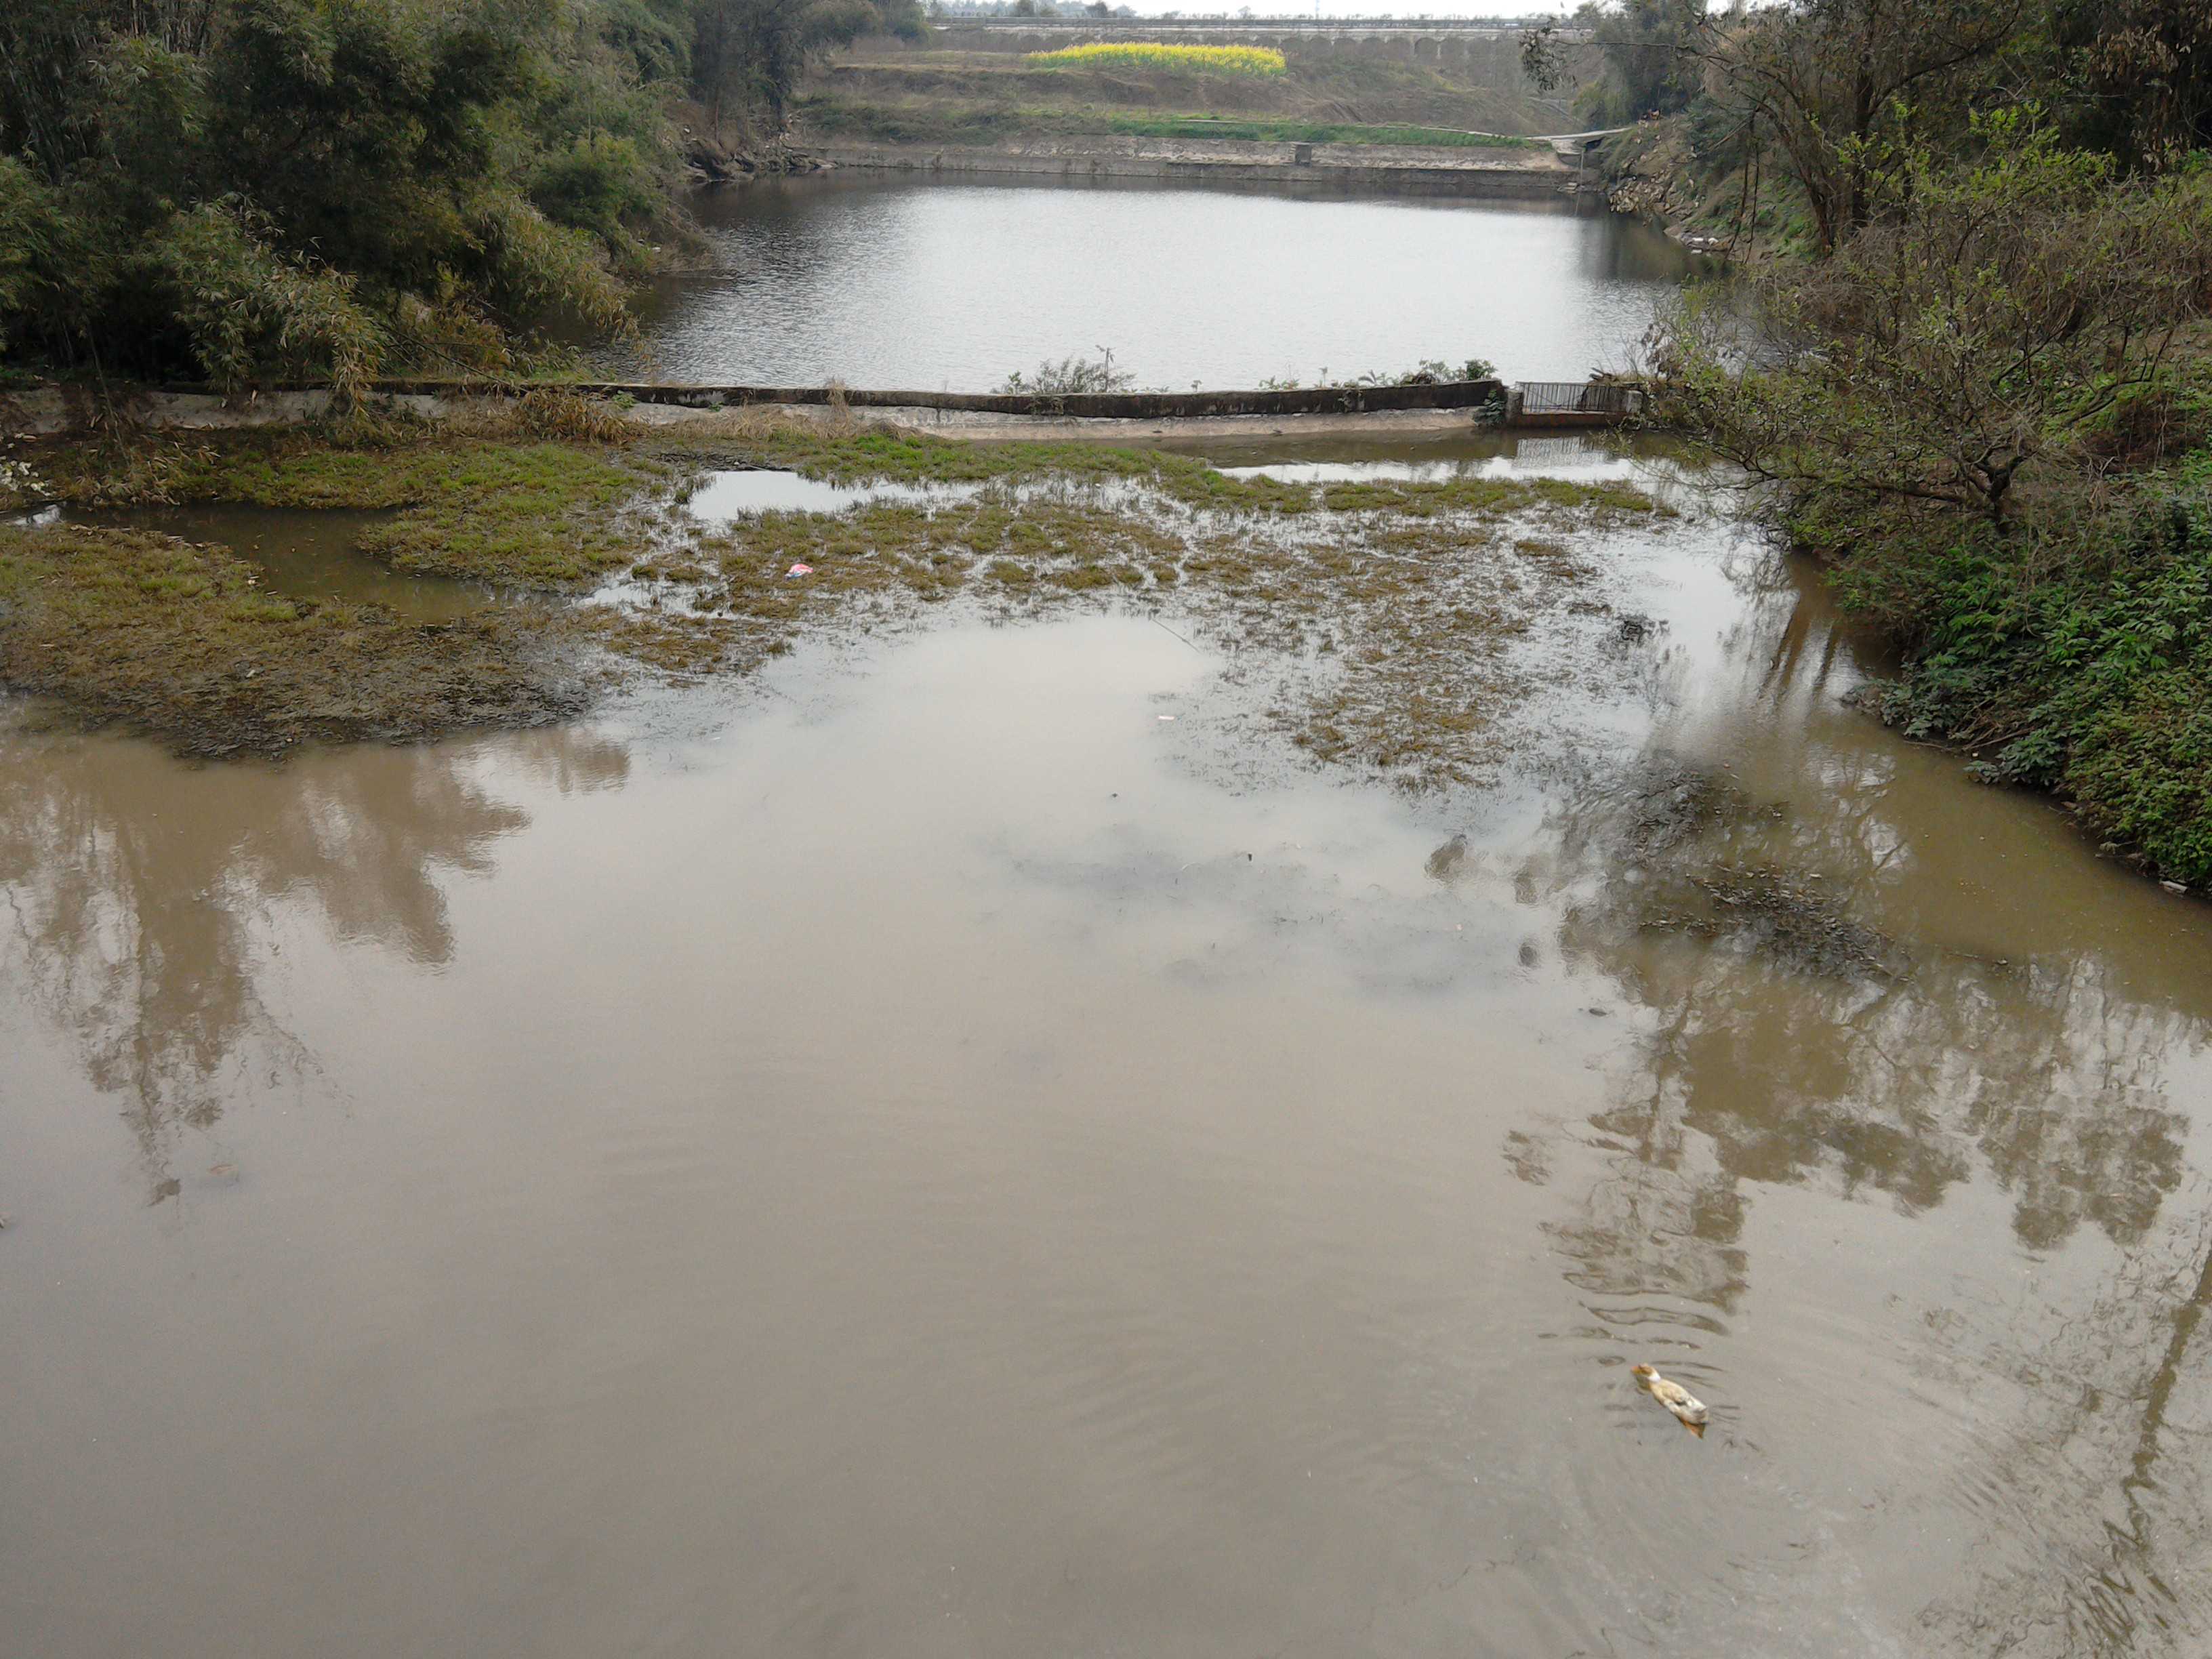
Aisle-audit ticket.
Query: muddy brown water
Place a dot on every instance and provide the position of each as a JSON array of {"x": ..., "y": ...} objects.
[
  {"x": 922, "y": 1155},
  {"x": 1436, "y": 457},
  {"x": 722, "y": 495}
]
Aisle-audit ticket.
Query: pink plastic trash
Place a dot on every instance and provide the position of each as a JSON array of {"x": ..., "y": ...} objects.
[{"x": 800, "y": 570}]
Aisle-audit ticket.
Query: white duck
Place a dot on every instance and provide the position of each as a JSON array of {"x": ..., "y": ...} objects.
[{"x": 1688, "y": 1409}]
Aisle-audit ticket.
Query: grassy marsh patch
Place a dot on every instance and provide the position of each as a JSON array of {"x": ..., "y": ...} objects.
[
  {"x": 1424, "y": 500},
  {"x": 179, "y": 642},
  {"x": 879, "y": 453},
  {"x": 1782, "y": 916},
  {"x": 529, "y": 513},
  {"x": 1419, "y": 599},
  {"x": 1423, "y": 595}
]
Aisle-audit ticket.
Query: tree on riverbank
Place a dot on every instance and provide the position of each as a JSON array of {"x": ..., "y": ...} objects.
[
  {"x": 1827, "y": 91},
  {"x": 1986, "y": 400},
  {"x": 755, "y": 51},
  {"x": 1963, "y": 351},
  {"x": 227, "y": 188},
  {"x": 235, "y": 190}
]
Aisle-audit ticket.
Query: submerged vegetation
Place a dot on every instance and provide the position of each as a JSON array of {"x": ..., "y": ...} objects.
[
  {"x": 183, "y": 643},
  {"x": 1406, "y": 615},
  {"x": 524, "y": 512}
]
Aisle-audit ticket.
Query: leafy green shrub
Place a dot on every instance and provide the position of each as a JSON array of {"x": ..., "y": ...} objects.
[
  {"x": 2078, "y": 660},
  {"x": 249, "y": 309},
  {"x": 2144, "y": 770},
  {"x": 317, "y": 187},
  {"x": 600, "y": 183},
  {"x": 1073, "y": 374},
  {"x": 29, "y": 229}
]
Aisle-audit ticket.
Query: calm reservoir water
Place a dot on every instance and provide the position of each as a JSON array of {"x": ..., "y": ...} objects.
[
  {"x": 922, "y": 1155},
  {"x": 955, "y": 286}
]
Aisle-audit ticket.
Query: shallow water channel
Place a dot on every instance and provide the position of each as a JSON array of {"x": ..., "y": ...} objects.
[
  {"x": 309, "y": 555},
  {"x": 966, "y": 1144},
  {"x": 880, "y": 282}
]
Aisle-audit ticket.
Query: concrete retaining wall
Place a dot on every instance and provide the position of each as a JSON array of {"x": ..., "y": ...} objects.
[
  {"x": 1387, "y": 169},
  {"x": 52, "y": 410},
  {"x": 1082, "y": 405}
]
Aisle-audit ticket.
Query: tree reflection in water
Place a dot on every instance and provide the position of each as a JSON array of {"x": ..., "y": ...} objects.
[
  {"x": 140, "y": 894},
  {"x": 1761, "y": 1061}
]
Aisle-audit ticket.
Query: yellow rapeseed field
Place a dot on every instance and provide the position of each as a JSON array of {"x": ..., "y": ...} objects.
[{"x": 1241, "y": 60}]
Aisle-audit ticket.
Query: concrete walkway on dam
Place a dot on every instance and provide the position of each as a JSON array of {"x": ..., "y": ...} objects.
[
  {"x": 42, "y": 416},
  {"x": 55, "y": 412},
  {"x": 1533, "y": 172}
]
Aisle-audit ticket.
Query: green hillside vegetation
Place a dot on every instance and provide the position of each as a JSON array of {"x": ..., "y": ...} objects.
[
  {"x": 910, "y": 95},
  {"x": 237, "y": 190}
]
